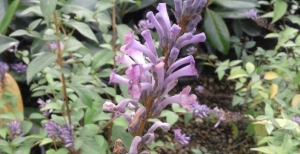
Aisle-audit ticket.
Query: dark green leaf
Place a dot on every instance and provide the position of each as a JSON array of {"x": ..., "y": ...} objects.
[
  {"x": 83, "y": 93},
  {"x": 83, "y": 29},
  {"x": 6, "y": 43},
  {"x": 216, "y": 30},
  {"x": 39, "y": 63},
  {"x": 48, "y": 7},
  {"x": 10, "y": 12},
  {"x": 101, "y": 58},
  {"x": 236, "y": 4},
  {"x": 90, "y": 146},
  {"x": 280, "y": 8}
]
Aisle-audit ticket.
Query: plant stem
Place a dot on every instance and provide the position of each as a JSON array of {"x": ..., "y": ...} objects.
[{"x": 60, "y": 63}]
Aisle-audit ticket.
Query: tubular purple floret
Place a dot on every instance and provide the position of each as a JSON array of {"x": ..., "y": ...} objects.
[
  {"x": 173, "y": 56},
  {"x": 193, "y": 23},
  {"x": 157, "y": 124},
  {"x": 162, "y": 8},
  {"x": 134, "y": 145},
  {"x": 165, "y": 102},
  {"x": 160, "y": 74},
  {"x": 163, "y": 23},
  {"x": 186, "y": 7},
  {"x": 122, "y": 105},
  {"x": 127, "y": 117},
  {"x": 137, "y": 56},
  {"x": 116, "y": 78},
  {"x": 182, "y": 38},
  {"x": 142, "y": 48},
  {"x": 188, "y": 70},
  {"x": 169, "y": 87},
  {"x": 155, "y": 23},
  {"x": 201, "y": 5},
  {"x": 124, "y": 59},
  {"x": 148, "y": 138},
  {"x": 179, "y": 63},
  {"x": 196, "y": 39},
  {"x": 148, "y": 38},
  {"x": 178, "y": 9}
]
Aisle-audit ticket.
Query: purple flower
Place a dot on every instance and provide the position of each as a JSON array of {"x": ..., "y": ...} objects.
[
  {"x": 181, "y": 138},
  {"x": 145, "y": 24},
  {"x": 191, "y": 50},
  {"x": 66, "y": 134},
  {"x": 199, "y": 88},
  {"x": 43, "y": 104},
  {"x": 53, "y": 45},
  {"x": 296, "y": 119},
  {"x": 19, "y": 67},
  {"x": 52, "y": 128},
  {"x": 252, "y": 14},
  {"x": 14, "y": 127}
]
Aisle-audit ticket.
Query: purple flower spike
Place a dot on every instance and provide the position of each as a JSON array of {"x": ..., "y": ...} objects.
[
  {"x": 42, "y": 105},
  {"x": 116, "y": 78},
  {"x": 52, "y": 128},
  {"x": 296, "y": 119},
  {"x": 15, "y": 128},
  {"x": 67, "y": 136},
  {"x": 53, "y": 45},
  {"x": 181, "y": 138},
  {"x": 252, "y": 14},
  {"x": 134, "y": 145},
  {"x": 19, "y": 67}
]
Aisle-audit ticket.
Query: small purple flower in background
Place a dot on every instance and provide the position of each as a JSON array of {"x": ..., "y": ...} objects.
[
  {"x": 203, "y": 111},
  {"x": 145, "y": 24},
  {"x": 53, "y": 45},
  {"x": 181, "y": 138},
  {"x": 52, "y": 128},
  {"x": 64, "y": 133},
  {"x": 191, "y": 50},
  {"x": 14, "y": 48},
  {"x": 19, "y": 67},
  {"x": 67, "y": 136},
  {"x": 15, "y": 127},
  {"x": 200, "y": 89},
  {"x": 296, "y": 119},
  {"x": 252, "y": 14},
  {"x": 43, "y": 104}
]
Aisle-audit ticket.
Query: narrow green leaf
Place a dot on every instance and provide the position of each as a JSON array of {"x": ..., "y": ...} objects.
[
  {"x": 48, "y": 7},
  {"x": 39, "y": 63},
  {"x": 280, "y": 8},
  {"x": 83, "y": 29},
  {"x": 101, "y": 58},
  {"x": 10, "y": 12},
  {"x": 6, "y": 43},
  {"x": 34, "y": 24},
  {"x": 83, "y": 93},
  {"x": 218, "y": 33}
]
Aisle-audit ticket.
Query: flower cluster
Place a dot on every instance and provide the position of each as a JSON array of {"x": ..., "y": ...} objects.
[
  {"x": 149, "y": 77},
  {"x": 181, "y": 138},
  {"x": 53, "y": 45},
  {"x": 252, "y": 14},
  {"x": 203, "y": 111},
  {"x": 65, "y": 133},
  {"x": 19, "y": 67},
  {"x": 15, "y": 128},
  {"x": 42, "y": 105},
  {"x": 296, "y": 119}
]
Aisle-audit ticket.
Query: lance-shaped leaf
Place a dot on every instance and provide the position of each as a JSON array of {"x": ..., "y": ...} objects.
[{"x": 83, "y": 29}]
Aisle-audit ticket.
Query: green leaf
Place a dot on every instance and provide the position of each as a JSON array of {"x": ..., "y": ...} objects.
[
  {"x": 26, "y": 126},
  {"x": 249, "y": 67},
  {"x": 83, "y": 29},
  {"x": 46, "y": 141},
  {"x": 172, "y": 118},
  {"x": 237, "y": 73},
  {"x": 10, "y": 12},
  {"x": 264, "y": 149},
  {"x": 101, "y": 58},
  {"x": 34, "y": 24},
  {"x": 6, "y": 43},
  {"x": 236, "y": 4},
  {"x": 294, "y": 19},
  {"x": 119, "y": 132},
  {"x": 48, "y": 7},
  {"x": 90, "y": 146},
  {"x": 218, "y": 33},
  {"x": 111, "y": 91},
  {"x": 83, "y": 93},
  {"x": 18, "y": 140},
  {"x": 78, "y": 143},
  {"x": 280, "y": 7},
  {"x": 39, "y": 63}
]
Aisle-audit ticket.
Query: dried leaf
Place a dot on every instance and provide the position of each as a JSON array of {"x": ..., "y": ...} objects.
[
  {"x": 273, "y": 90},
  {"x": 270, "y": 75}
]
